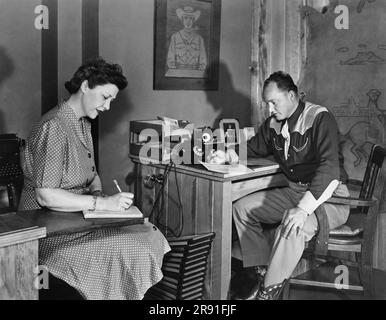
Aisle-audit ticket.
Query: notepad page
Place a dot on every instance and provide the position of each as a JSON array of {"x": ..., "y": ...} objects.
[{"x": 132, "y": 212}]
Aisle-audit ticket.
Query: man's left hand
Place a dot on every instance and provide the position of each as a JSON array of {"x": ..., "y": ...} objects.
[{"x": 294, "y": 222}]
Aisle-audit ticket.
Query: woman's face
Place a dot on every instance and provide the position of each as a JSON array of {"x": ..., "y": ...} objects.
[{"x": 98, "y": 99}]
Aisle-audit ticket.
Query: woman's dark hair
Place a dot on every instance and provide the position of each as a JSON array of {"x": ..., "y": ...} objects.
[
  {"x": 97, "y": 72},
  {"x": 283, "y": 81}
]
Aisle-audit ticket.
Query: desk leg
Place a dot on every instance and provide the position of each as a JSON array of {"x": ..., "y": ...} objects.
[{"x": 222, "y": 225}]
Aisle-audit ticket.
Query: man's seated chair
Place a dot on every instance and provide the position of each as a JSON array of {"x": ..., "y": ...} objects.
[{"x": 356, "y": 236}]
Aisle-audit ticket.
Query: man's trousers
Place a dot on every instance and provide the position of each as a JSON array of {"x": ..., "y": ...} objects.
[{"x": 269, "y": 207}]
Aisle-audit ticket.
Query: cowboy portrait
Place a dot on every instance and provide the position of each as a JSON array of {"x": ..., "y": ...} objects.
[{"x": 187, "y": 56}]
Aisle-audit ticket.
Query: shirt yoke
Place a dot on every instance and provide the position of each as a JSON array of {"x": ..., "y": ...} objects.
[{"x": 307, "y": 117}]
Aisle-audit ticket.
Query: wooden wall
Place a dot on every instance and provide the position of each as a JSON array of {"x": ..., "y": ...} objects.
[{"x": 277, "y": 43}]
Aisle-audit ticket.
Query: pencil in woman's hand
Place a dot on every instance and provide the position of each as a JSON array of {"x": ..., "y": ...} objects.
[{"x": 117, "y": 185}]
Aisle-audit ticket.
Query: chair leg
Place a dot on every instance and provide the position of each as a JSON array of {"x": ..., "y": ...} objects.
[{"x": 366, "y": 277}]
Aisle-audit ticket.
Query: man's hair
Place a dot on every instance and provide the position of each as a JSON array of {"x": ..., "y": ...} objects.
[
  {"x": 283, "y": 81},
  {"x": 97, "y": 72}
]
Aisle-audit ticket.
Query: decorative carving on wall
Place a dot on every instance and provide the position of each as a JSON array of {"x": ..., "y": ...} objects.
[
  {"x": 343, "y": 49},
  {"x": 364, "y": 131},
  {"x": 349, "y": 66},
  {"x": 362, "y": 3},
  {"x": 361, "y": 58}
]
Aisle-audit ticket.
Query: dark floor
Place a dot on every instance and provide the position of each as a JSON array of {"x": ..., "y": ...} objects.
[{"x": 59, "y": 290}]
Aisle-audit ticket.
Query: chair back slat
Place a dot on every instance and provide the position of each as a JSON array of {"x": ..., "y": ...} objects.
[
  {"x": 373, "y": 179},
  {"x": 374, "y": 164}
]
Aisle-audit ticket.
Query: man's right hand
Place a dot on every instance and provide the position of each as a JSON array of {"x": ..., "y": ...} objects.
[
  {"x": 220, "y": 157},
  {"x": 216, "y": 157}
]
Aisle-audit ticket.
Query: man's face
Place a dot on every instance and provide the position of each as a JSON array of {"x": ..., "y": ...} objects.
[
  {"x": 281, "y": 103},
  {"x": 187, "y": 20}
]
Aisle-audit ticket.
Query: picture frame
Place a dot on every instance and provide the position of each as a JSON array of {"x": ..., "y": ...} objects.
[{"x": 186, "y": 44}]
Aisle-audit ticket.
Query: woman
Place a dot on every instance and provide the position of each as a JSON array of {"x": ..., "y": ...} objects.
[{"x": 59, "y": 170}]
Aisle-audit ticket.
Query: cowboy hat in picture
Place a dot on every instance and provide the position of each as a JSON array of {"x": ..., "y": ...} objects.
[{"x": 188, "y": 11}]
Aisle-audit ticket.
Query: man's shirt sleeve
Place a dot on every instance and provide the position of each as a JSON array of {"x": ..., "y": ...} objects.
[
  {"x": 259, "y": 144},
  {"x": 326, "y": 179}
]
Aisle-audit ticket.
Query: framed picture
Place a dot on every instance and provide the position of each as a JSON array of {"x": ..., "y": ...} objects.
[{"x": 187, "y": 41}]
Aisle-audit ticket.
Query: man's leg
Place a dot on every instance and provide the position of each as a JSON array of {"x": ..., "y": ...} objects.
[
  {"x": 286, "y": 253},
  {"x": 266, "y": 206}
]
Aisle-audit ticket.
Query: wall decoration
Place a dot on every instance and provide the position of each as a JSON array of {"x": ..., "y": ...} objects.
[
  {"x": 344, "y": 72},
  {"x": 187, "y": 41}
]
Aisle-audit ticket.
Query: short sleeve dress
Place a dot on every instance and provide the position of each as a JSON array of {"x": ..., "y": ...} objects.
[{"x": 109, "y": 263}]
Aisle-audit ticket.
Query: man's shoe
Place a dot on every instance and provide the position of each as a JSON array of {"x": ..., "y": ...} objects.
[
  {"x": 258, "y": 278},
  {"x": 249, "y": 295},
  {"x": 272, "y": 292}
]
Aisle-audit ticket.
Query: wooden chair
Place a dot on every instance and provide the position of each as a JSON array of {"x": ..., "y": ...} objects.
[
  {"x": 11, "y": 174},
  {"x": 356, "y": 236},
  {"x": 184, "y": 269}
]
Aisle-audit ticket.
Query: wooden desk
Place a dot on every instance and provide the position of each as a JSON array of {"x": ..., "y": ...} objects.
[
  {"x": 59, "y": 223},
  {"x": 206, "y": 199},
  {"x": 19, "y": 234},
  {"x": 18, "y": 257}
]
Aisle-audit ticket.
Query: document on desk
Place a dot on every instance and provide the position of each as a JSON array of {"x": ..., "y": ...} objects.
[
  {"x": 132, "y": 212},
  {"x": 261, "y": 164},
  {"x": 226, "y": 168}
]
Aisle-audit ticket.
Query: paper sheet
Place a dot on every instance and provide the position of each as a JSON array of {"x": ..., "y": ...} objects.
[{"x": 226, "y": 168}]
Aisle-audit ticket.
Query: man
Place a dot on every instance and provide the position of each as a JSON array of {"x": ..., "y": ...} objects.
[{"x": 304, "y": 140}]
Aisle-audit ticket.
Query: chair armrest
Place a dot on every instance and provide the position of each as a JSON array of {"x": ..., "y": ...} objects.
[
  {"x": 358, "y": 202},
  {"x": 354, "y": 182},
  {"x": 322, "y": 237}
]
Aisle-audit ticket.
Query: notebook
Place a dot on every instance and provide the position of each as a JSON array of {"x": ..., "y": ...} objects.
[{"x": 132, "y": 212}]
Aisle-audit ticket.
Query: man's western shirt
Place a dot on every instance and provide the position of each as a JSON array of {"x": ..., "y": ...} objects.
[{"x": 307, "y": 148}]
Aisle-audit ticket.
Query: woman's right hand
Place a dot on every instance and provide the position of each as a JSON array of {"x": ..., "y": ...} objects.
[{"x": 117, "y": 202}]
